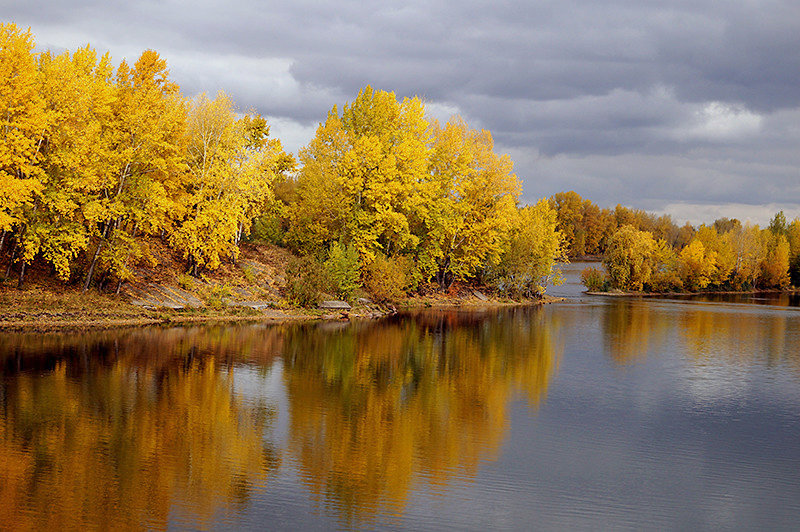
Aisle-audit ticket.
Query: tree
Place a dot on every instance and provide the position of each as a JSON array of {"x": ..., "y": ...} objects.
[
  {"x": 569, "y": 209},
  {"x": 232, "y": 165},
  {"x": 629, "y": 258},
  {"x": 698, "y": 265},
  {"x": 23, "y": 121},
  {"x": 721, "y": 246},
  {"x": 775, "y": 266},
  {"x": 78, "y": 94},
  {"x": 372, "y": 163},
  {"x": 748, "y": 247},
  {"x": 473, "y": 210},
  {"x": 526, "y": 266},
  {"x": 144, "y": 157},
  {"x": 778, "y": 224}
]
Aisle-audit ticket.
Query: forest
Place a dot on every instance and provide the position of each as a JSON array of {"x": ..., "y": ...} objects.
[
  {"x": 101, "y": 164},
  {"x": 644, "y": 252}
]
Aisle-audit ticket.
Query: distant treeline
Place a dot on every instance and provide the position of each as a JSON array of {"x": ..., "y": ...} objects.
[
  {"x": 100, "y": 164},
  {"x": 642, "y": 251}
]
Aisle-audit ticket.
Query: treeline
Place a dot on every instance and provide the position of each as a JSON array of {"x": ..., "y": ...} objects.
[
  {"x": 97, "y": 163},
  {"x": 725, "y": 256},
  {"x": 588, "y": 229},
  {"x": 642, "y": 251},
  {"x": 96, "y": 159}
]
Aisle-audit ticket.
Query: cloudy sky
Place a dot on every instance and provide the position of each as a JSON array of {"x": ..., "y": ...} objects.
[{"x": 685, "y": 107}]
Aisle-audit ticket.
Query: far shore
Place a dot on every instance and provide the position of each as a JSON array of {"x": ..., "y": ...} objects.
[{"x": 622, "y": 293}]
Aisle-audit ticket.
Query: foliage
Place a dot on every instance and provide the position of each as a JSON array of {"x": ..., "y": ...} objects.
[
  {"x": 232, "y": 164},
  {"x": 594, "y": 280},
  {"x": 775, "y": 266},
  {"x": 629, "y": 258},
  {"x": 343, "y": 270},
  {"x": 388, "y": 278},
  {"x": 23, "y": 121},
  {"x": 697, "y": 265},
  {"x": 526, "y": 266},
  {"x": 473, "y": 207},
  {"x": 305, "y": 280}
]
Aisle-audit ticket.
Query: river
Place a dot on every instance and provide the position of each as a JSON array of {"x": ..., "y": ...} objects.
[{"x": 593, "y": 413}]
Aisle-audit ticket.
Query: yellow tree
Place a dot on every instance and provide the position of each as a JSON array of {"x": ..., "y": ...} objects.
[
  {"x": 775, "y": 266},
  {"x": 78, "y": 94},
  {"x": 322, "y": 207},
  {"x": 22, "y": 122},
  {"x": 630, "y": 258},
  {"x": 698, "y": 265},
  {"x": 372, "y": 163},
  {"x": 724, "y": 254},
  {"x": 232, "y": 165},
  {"x": 526, "y": 266},
  {"x": 474, "y": 205},
  {"x": 749, "y": 249},
  {"x": 144, "y": 150}
]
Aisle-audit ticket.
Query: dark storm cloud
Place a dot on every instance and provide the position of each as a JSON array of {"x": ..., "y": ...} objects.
[{"x": 640, "y": 101}]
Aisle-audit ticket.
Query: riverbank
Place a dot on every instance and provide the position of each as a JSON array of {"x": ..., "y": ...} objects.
[
  {"x": 42, "y": 310},
  {"x": 254, "y": 289}
]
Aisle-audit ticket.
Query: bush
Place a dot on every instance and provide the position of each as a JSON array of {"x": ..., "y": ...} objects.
[
  {"x": 594, "y": 280},
  {"x": 388, "y": 279},
  {"x": 343, "y": 270},
  {"x": 305, "y": 279},
  {"x": 270, "y": 226}
]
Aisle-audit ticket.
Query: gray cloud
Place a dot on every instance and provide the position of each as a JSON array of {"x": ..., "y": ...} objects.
[{"x": 643, "y": 102}]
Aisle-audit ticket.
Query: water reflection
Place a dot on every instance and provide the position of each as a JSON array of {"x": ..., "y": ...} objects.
[
  {"x": 150, "y": 428},
  {"x": 704, "y": 331},
  {"x": 127, "y": 432},
  {"x": 376, "y": 408}
]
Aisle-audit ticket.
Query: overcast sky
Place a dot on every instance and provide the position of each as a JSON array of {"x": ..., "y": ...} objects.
[{"x": 686, "y": 107}]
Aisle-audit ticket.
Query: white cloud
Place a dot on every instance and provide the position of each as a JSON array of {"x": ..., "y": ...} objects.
[
  {"x": 697, "y": 213},
  {"x": 718, "y": 121}
]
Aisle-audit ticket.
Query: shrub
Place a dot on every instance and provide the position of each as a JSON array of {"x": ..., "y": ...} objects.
[
  {"x": 388, "y": 279},
  {"x": 594, "y": 280},
  {"x": 343, "y": 270},
  {"x": 305, "y": 279}
]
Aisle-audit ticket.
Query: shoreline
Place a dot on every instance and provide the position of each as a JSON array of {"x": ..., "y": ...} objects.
[
  {"x": 44, "y": 321},
  {"x": 620, "y": 293}
]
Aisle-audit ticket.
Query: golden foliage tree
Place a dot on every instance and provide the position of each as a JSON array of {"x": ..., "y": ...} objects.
[
  {"x": 473, "y": 207},
  {"x": 629, "y": 258},
  {"x": 232, "y": 165},
  {"x": 526, "y": 266}
]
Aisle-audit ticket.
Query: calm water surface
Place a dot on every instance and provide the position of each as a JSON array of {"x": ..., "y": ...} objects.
[{"x": 589, "y": 414}]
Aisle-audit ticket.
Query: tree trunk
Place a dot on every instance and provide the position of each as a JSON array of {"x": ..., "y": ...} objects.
[
  {"x": 2, "y": 240},
  {"x": 90, "y": 273},
  {"x": 11, "y": 260},
  {"x": 21, "y": 275}
]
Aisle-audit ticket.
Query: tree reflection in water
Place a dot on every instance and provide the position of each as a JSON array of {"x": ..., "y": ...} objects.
[
  {"x": 377, "y": 407},
  {"x": 127, "y": 430},
  {"x": 148, "y": 428}
]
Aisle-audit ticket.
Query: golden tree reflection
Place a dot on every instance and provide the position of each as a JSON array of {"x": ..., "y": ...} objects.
[
  {"x": 710, "y": 330},
  {"x": 631, "y": 329},
  {"x": 377, "y": 407},
  {"x": 152, "y": 430}
]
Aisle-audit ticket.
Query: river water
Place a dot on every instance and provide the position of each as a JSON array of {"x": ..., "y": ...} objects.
[{"x": 593, "y": 413}]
